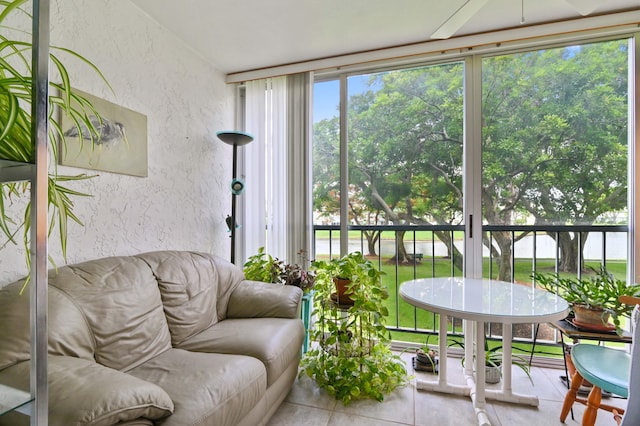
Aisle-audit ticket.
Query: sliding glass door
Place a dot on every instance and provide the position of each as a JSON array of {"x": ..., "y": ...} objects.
[
  {"x": 493, "y": 165},
  {"x": 555, "y": 155}
]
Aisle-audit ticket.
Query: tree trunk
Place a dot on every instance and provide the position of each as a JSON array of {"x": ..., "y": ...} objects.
[
  {"x": 372, "y": 239},
  {"x": 401, "y": 251},
  {"x": 571, "y": 248},
  {"x": 502, "y": 254},
  {"x": 452, "y": 250}
]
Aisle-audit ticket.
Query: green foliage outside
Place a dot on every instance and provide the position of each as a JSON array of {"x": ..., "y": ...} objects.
[{"x": 554, "y": 147}]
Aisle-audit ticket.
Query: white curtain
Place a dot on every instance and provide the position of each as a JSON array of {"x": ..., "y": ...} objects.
[{"x": 277, "y": 204}]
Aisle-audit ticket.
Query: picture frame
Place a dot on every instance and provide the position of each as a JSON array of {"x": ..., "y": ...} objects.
[{"x": 121, "y": 146}]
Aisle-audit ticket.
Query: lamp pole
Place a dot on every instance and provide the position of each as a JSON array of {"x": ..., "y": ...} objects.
[{"x": 234, "y": 138}]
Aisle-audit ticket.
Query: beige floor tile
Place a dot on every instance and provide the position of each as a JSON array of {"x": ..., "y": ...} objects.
[
  {"x": 295, "y": 415},
  {"x": 306, "y": 392},
  {"x": 396, "y": 407},
  {"x": 548, "y": 413},
  {"x": 345, "y": 419},
  {"x": 306, "y": 404},
  {"x": 433, "y": 408}
]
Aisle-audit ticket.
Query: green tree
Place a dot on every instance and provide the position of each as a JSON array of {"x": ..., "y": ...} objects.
[
  {"x": 563, "y": 112},
  {"x": 554, "y": 144}
]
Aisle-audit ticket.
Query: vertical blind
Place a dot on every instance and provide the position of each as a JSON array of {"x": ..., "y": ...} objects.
[{"x": 277, "y": 204}]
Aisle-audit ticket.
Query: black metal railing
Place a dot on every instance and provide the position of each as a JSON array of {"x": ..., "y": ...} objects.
[{"x": 422, "y": 251}]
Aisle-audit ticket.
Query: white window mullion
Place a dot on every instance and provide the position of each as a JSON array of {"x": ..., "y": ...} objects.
[
  {"x": 634, "y": 159},
  {"x": 472, "y": 180}
]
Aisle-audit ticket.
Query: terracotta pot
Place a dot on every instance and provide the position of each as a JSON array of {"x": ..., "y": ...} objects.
[
  {"x": 590, "y": 316},
  {"x": 344, "y": 295}
]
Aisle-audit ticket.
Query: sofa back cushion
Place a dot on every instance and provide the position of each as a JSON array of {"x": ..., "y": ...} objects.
[
  {"x": 68, "y": 332},
  {"x": 195, "y": 289},
  {"x": 120, "y": 302}
]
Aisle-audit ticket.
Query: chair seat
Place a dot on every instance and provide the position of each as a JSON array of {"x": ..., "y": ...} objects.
[{"x": 604, "y": 367}]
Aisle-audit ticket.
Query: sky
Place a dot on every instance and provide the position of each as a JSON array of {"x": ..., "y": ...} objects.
[{"x": 326, "y": 95}]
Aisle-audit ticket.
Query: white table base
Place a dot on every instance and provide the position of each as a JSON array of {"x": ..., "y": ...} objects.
[{"x": 478, "y": 394}]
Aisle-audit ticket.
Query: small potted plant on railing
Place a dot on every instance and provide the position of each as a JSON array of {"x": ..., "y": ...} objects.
[{"x": 594, "y": 300}]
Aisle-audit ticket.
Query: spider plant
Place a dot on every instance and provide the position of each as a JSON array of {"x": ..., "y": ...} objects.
[{"x": 16, "y": 92}]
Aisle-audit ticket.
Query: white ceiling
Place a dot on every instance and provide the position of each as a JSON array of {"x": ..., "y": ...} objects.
[{"x": 242, "y": 35}]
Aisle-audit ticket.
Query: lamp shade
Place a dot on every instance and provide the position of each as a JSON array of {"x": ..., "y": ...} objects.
[{"x": 234, "y": 137}]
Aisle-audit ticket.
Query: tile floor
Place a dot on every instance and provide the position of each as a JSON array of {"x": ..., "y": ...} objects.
[{"x": 308, "y": 405}]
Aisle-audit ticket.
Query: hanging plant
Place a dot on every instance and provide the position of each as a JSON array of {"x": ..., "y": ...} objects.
[{"x": 16, "y": 93}]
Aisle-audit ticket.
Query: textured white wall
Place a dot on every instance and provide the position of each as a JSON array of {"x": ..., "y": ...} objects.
[{"x": 184, "y": 200}]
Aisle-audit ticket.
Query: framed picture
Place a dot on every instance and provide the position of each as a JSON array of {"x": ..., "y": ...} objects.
[{"x": 121, "y": 145}]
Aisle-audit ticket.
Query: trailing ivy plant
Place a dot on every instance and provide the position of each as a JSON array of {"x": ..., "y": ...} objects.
[
  {"x": 16, "y": 91},
  {"x": 353, "y": 357}
]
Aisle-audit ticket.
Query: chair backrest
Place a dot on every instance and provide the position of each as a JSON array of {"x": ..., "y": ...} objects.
[{"x": 632, "y": 414}]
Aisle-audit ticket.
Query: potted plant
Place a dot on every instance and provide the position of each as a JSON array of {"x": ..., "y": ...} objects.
[
  {"x": 16, "y": 123},
  {"x": 425, "y": 360},
  {"x": 347, "y": 272},
  {"x": 266, "y": 268},
  {"x": 493, "y": 362},
  {"x": 353, "y": 358},
  {"x": 594, "y": 300}
]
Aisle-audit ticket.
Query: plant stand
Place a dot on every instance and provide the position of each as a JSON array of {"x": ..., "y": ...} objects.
[
  {"x": 352, "y": 358},
  {"x": 305, "y": 314}
]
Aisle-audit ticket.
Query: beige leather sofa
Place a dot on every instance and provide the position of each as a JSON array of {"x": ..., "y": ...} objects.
[{"x": 166, "y": 338}]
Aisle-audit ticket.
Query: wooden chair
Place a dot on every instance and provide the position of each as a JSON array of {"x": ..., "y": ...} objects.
[{"x": 608, "y": 369}]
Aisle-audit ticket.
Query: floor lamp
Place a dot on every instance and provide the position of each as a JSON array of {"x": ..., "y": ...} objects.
[{"x": 234, "y": 138}]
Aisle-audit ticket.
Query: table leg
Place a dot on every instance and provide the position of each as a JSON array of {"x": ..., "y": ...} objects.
[
  {"x": 442, "y": 385},
  {"x": 477, "y": 384},
  {"x": 469, "y": 330},
  {"x": 507, "y": 352},
  {"x": 442, "y": 337},
  {"x": 506, "y": 394}
]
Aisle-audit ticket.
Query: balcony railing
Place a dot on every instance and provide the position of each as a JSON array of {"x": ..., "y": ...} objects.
[{"x": 435, "y": 251}]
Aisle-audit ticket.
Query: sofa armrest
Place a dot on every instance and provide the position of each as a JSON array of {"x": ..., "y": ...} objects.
[
  {"x": 254, "y": 299},
  {"x": 87, "y": 393}
]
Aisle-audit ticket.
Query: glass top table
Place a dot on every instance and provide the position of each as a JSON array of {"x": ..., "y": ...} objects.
[
  {"x": 484, "y": 300},
  {"x": 477, "y": 301}
]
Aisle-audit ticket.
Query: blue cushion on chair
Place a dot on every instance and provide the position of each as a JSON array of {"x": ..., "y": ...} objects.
[{"x": 604, "y": 367}]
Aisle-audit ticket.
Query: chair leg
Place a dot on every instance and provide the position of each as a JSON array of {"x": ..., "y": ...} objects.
[
  {"x": 571, "y": 396},
  {"x": 617, "y": 416},
  {"x": 593, "y": 403}
]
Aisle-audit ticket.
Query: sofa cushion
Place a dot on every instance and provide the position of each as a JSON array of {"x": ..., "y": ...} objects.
[
  {"x": 276, "y": 342},
  {"x": 68, "y": 331},
  {"x": 85, "y": 393},
  {"x": 206, "y": 389},
  {"x": 253, "y": 299},
  {"x": 195, "y": 289},
  {"x": 120, "y": 301}
]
